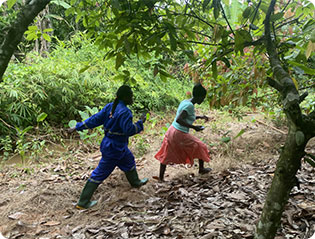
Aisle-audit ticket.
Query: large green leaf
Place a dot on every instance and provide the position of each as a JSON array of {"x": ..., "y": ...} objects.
[
  {"x": 241, "y": 36},
  {"x": 306, "y": 69},
  {"x": 41, "y": 117},
  {"x": 61, "y": 3},
  {"x": 247, "y": 12},
  {"x": 11, "y": 3},
  {"x": 119, "y": 60},
  {"x": 216, "y": 8},
  {"x": 276, "y": 17},
  {"x": 172, "y": 42}
]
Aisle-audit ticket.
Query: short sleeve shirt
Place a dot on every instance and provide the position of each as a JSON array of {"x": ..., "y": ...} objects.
[{"x": 190, "y": 109}]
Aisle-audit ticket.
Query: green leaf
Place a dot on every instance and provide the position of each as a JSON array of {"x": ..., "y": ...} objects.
[
  {"x": 164, "y": 73},
  {"x": 127, "y": 46},
  {"x": 46, "y": 37},
  {"x": 31, "y": 36},
  {"x": 24, "y": 131},
  {"x": 242, "y": 131},
  {"x": 41, "y": 117},
  {"x": 310, "y": 161},
  {"x": 205, "y": 4},
  {"x": 48, "y": 30},
  {"x": 226, "y": 139},
  {"x": 83, "y": 115},
  {"x": 247, "y": 12},
  {"x": 264, "y": 7},
  {"x": 310, "y": 48},
  {"x": 115, "y": 4},
  {"x": 216, "y": 8},
  {"x": 276, "y": 16},
  {"x": 235, "y": 8},
  {"x": 55, "y": 16},
  {"x": 156, "y": 70},
  {"x": 11, "y": 3},
  {"x": 83, "y": 69},
  {"x": 253, "y": 26},
  {"x": 173, "y": 42},
  {"x": 313, "y": 36},
  {"x": 163, "y": 77},
  {"x": 241, "y": 36},
  {"x": 32, "y": 28},
  {"x": 61, "y": 3},
  {"x": 306, "y": 69},
  {"x": 119, "y": 60}
]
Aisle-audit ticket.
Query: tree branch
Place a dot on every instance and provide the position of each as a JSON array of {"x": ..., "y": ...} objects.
[
  {"x": 223, "y": 13},
  {"x": 286, "y": 6},
  {"x": 278, "y": 26},
  {"x": 308, "y": 87},
  {"x": 188, "y": 15},
  {"x": 256, "y": 10},
  {"x": 274, "y": 84},
  {"x": 303, "y": 96}
]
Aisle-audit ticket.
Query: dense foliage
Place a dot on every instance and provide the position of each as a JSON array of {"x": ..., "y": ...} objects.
[{"x": 75, "y": 76}]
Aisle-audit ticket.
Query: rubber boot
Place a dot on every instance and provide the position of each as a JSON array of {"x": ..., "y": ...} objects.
[
  {"x": 162, "y": 172},
  {"x": 134, "y": 180},
  {"x": 85, "y": 198},
  {"x": 202, "y": 169}
]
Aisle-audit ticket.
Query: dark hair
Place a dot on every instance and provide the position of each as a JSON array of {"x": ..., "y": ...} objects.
[
  {"x": 199, "y": 91},
  {"x": 122, "y": 92}
]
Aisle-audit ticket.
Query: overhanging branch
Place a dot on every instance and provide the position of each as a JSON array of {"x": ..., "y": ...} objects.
[{"x": 15, "y": 32}]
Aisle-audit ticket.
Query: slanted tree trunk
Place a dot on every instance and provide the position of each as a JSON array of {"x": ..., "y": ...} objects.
[
  {"x": 301, "y": 130},
  {"x": 15, "y": 32}
]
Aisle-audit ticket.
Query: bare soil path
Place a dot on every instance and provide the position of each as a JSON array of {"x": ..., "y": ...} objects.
[{"x": 37, "y": 200}]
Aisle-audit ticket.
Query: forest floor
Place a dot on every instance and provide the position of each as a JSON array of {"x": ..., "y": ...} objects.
[{"x": 37, "y": 199}]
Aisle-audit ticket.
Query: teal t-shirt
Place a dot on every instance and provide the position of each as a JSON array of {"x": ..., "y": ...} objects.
[{"x": 190, "y": 109}]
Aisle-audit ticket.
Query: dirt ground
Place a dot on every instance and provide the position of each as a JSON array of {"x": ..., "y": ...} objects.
[{"x": 37, "y": 200}]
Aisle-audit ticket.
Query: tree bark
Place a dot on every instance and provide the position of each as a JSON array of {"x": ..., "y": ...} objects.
[
  {"x": 42, "y": 24},
  {"x": 301, "y": 130},
  {"x": 15, "y": 32}
]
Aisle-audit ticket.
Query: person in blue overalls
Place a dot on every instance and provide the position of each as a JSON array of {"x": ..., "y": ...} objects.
[{"x": 118, "y": 127}]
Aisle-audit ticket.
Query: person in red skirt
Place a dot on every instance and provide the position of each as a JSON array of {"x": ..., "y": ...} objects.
[{"x": 180, "y": 147}]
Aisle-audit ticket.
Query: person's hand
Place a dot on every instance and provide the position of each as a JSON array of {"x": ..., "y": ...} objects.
[
  {"x": 143, "y": 117},
  {"x": 71, "y": 130},
  {"x": 198, "y": 127}
]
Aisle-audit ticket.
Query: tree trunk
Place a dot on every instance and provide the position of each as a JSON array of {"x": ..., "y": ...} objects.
[
  {"x": 15, "y": 32},
  {"x": 301, "y": 130},
  {"x": 42, "y": 24}
]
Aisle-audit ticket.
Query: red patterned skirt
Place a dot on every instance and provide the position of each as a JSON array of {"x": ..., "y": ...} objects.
[{"x": 181, "y": 148}]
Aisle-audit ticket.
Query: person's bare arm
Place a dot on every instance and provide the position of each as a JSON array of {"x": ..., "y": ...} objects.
[{"x": 181, "y": 120}]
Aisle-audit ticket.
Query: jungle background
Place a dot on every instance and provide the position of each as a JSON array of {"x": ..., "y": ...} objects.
[{"x": 69, "y": 64}]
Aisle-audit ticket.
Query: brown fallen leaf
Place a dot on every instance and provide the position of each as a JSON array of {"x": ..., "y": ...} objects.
[
  {"x": 51, "y": 223},
  {"x": 17, "y": 215}
]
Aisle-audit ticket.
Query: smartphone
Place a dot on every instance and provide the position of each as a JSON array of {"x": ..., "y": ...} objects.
[{"x": 202, "y": 127}]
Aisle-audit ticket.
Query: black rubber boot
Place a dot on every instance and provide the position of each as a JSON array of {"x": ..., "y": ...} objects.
[
  {"x": 85, "y": 198},
  {"x": 134, "y": 180},
  {"x": 202, "y": 169},
  {"x": 162, "y": 172}
]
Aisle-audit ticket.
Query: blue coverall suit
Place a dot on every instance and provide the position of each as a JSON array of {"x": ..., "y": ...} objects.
[{"x": 114, "y": 147}]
